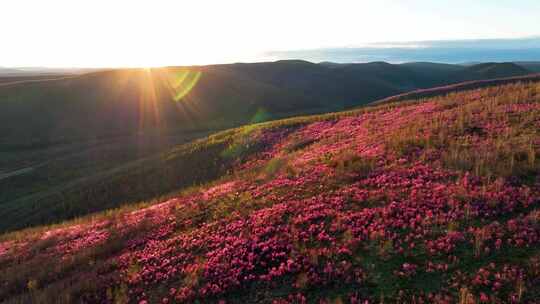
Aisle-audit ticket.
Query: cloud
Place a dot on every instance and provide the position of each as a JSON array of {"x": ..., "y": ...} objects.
[{"x": 447, "y": 51}]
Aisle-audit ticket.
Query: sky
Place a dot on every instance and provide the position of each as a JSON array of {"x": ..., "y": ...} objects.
[
  {"x": 114, "y": 33},
  {"x": 441, "y": 51}
]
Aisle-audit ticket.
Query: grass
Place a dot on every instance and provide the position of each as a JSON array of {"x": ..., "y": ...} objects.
[
  {"x": 76, "y": 187},
  {"x": 464, "y": 145},
  {"x": 190, "y": 164},
  {"x": 194, "y": 163},
  {"x": 460, "y": 132}
]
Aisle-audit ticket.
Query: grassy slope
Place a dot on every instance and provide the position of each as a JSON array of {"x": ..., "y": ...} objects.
[
  {"x": 433, "y": 201},
  {"x": 70, "y": 148},
  {"x": 427, "y": 93},
  {"x": 123, "y": 176},
  {"x": 66, "y": 145}
]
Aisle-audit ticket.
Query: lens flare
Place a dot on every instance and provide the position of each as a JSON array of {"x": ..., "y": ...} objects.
[
  {"x": 182, "y": 82},
  {"x": 260, "y": 116}
]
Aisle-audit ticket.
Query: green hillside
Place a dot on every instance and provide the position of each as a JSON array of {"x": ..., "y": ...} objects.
[
  {"x": 73, "y": 146},
  {"x": 434, "y": 200}
]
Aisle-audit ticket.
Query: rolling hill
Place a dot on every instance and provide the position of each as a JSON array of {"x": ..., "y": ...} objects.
[
  {"x": 493, "y": 70},
  {"x": 84, "y": 143},
  {"x": 533, "y": 66},
  {"x": 434, "y": 200},
  {"x": 468, "y": 85},
  {"x": 127, "y": 102}
]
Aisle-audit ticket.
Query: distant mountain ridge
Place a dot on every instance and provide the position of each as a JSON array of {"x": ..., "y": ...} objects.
[
  {"x": 115, "y": 102},
  {"x": 40, "y": 71}
]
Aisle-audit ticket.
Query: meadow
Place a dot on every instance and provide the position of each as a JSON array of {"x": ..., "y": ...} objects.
[{"x": 434, "y": 200}]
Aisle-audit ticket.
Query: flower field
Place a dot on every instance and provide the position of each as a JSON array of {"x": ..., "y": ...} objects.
[{"x": 428, "y": 201}]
